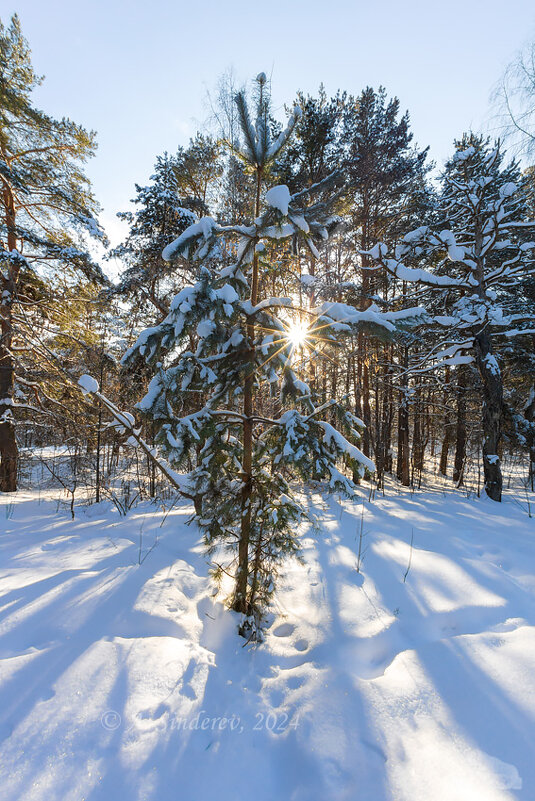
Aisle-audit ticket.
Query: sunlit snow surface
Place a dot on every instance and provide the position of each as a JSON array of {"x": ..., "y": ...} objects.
[{"x": 127, "y": 680}]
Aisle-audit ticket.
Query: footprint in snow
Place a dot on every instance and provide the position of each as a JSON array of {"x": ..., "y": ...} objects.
[
  {"x": 155, "y": 713},
  {"x": 189, "y": 589},
  {"x": 301, "y": 645},
  {"x": 375, "y": 748},
  {"x": 284, "y": 630}
]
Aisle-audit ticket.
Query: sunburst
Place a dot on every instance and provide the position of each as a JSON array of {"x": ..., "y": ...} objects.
[
  {"x": 297, "y": 334},
  {"x": 297, "y": 339}
]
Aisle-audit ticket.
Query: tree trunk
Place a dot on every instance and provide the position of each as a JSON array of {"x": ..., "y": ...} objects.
[
  {"x": 530, "y": 417},
  {"x": 389, "y": 412},
  {"x": 8, "y": 443},
  {"x": 417, "y": 443},
  {"x": 402, "y": 468},
  {"x": 99, "y": 433},
  {"x": 241, "y": 602},
  {"x": 448, "y": 433},
  {"x": 491, "y": 414},
  {"x": 421, "y": 434},
  {"x": 529, "y": 414},
  {"x": 365, "y": 392},
  {"x": 444, "y": 453},
  {"x": 363, "y": 342},
  {"x": 9, "y": 453},
  {"x": 461, "y": 436}
]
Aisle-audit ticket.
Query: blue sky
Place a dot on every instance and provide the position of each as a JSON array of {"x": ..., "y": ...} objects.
[{"x": 138, "y": 72}]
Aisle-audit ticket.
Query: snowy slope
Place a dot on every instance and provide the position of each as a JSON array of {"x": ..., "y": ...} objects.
[{"x": 120, "y": 679}]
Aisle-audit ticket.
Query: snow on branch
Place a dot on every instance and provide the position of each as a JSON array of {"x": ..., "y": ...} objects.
[
  {"x": 341, "y": 314},
  {"x": 283, "y": 137},
  {"x": 205, "y": 228},
  {"x": 333, "y": 436},
  {"x": 415, "y": 275}
]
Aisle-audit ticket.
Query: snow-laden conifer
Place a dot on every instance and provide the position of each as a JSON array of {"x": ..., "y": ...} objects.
[
  {"x": 474, "y": 258},
  {"x": 230, "y": 346}
]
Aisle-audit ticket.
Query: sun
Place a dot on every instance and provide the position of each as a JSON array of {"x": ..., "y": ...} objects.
[{"x": 297, "y": 334}]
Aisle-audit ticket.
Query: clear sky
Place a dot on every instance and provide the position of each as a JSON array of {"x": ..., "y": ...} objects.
[{"x": 137, "y": 72}]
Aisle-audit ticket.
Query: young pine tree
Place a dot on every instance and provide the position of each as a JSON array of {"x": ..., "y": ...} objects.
[{"x": 227, "y": 344}]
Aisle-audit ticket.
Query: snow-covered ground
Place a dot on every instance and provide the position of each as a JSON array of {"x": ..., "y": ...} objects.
[{"x": 121, "y": 675}]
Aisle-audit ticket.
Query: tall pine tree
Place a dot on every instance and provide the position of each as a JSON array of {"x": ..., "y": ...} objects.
[{"x": 46, "y": 209}]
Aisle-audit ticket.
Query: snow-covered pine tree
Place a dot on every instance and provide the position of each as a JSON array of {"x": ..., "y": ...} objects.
[
  {"x": 480, "y": 251},
  {"x": 47, "y": 210},
  {"x": 226, "y": 344},
  {"x": 161, "y": 213},
  {"x": 519, "y": 353}
]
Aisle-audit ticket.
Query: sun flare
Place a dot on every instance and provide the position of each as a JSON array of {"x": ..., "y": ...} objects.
[{"x": 297, "y": 333}]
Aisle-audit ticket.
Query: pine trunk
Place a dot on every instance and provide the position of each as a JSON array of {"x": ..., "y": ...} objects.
[
  {"x": 491, "y": 380},
  {"x": 9, "y": 454},
  {"x": 418, "y": 435},
  {"x": 389, "y": 413},
  {"x": 447, "y": 439},
  {"x": 241, "y": 601},
  {"x": 461, "y": 435},
  {"x": 402, "y": 469},
  {"x": 363, "y": 343},
  {"x": 365, "y": 388},
  {"x": 530, "y": 417},
  {"x": 491, "y": 414},
  {"x": 8, "y": 443},
  {"x": 529, "y": 414},
  {"x": 445, "y": 450}
]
